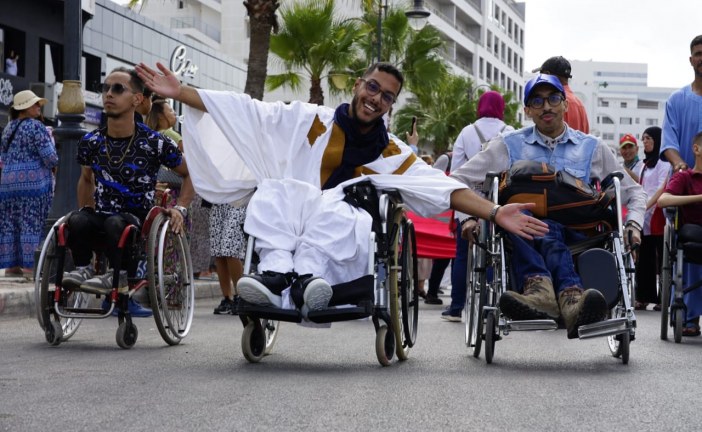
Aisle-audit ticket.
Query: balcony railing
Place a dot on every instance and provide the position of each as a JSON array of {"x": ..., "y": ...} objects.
[{"x": 197, "y": 24}]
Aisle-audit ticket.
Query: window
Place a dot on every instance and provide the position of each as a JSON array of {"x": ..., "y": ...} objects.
[
  {"x": 636, "y": 120},
  {"x": 606, "y": 120},
  {"x": 625, "y": 120},
  {"x": 622, "y": 104},
  {"x": 603, "y": 103},
  {"x": 608, "y": 136},
  {"x": 651, "y": 122}
]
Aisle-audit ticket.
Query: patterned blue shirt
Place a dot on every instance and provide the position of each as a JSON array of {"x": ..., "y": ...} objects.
[{"x": 126, "y": 169}]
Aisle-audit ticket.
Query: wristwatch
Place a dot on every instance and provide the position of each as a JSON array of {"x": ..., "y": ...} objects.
[{"x": 183, "y": 211}]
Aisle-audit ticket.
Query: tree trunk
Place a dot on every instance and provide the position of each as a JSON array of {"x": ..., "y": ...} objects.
[
  {"x": 316, "y": 92},
  {"x": 262, "y": 20}
]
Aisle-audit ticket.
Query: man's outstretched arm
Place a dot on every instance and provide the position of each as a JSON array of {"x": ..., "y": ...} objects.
[{"x": 167, "y": 84}]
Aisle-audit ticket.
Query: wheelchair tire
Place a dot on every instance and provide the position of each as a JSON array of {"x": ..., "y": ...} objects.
[
  {"x": 624, "y": 344},
  {"x": 253, "y": 341},
  {"x": 409, "y": 296},
  {"x": 171, "y": 281},
  {"x": 270, "y": 330},
  {"x": 384, "y": 345},
  {"x": 53, "y": 333},
  {"x": 490, "y": 336},
  {"x": 666, "y": 281},
  {"x": 127, "y": 335},
  {"x": 678, "y": 319},
  {"x": 478, "y": 298},
  {"x": 395, "y": 286},
  {"x": 44, "y": 286}
]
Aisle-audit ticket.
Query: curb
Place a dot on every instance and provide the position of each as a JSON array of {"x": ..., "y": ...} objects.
[{"x": 17, "y": 301}]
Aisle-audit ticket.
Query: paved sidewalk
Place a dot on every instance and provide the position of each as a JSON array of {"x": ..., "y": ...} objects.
[{"x": 17, "y": 295}]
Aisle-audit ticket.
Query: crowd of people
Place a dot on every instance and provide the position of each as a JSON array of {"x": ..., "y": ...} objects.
[{"x": 312, "y": 245}]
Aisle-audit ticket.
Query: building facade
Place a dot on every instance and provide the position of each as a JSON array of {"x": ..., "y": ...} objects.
[{"x": 112, "y": 36}]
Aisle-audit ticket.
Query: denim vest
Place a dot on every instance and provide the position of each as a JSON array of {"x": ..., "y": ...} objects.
[{"x": 573, "y": 153}]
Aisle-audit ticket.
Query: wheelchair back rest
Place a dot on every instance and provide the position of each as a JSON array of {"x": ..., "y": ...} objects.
[
  {"x": 690, "y": 240},
  {"x": 363, "y": 195},
  {"x": 598, "y": 269}
]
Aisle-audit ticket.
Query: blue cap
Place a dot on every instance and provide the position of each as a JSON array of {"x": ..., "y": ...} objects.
[{"x": 551, "y": 80}]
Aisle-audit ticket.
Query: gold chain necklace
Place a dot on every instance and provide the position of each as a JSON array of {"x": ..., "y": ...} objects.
[{"x": 124, "y": 154}]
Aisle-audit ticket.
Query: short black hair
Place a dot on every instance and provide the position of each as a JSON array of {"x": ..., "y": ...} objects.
[
  {"x": 387, "y": 68},
  {"x": 696, "y": 41},
  {"x": 134, "y": 80}
]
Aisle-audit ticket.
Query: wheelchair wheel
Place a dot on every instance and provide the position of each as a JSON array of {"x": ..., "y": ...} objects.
[
  {"x": 678, "y": 317},
  {"x": 171, "y": 289},
  {"x": 53, "y": 333},
  {"x": 270, "y": 331},
  {"x": 253, "y": 341},
  {"x": 384, "y": 345},
  {"x": 126, "y": 335},
  {"x": 403, "y": 321},
  {"x": 490, "y": 334},
  {"x": 666, "y": 281},
  {"x": 44, "y": 289},
  {"x": 475, "y": 301}
]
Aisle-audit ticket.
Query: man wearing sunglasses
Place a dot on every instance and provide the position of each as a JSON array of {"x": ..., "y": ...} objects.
[
  {"x": 119, "y": 166},
  {"x": 545, "y": 283},
  {"x": 301, "y": 156}
]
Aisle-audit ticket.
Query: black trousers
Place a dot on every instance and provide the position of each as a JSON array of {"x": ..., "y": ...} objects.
[
  {"x": 88, "y": 231},
  {"x": 648, "y": 267}
]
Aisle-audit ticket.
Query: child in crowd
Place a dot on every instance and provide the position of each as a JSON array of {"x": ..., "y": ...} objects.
[{"x": 684, "y": 190}]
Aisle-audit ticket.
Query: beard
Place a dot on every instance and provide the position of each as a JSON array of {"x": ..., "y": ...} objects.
[{"x": 354, "y": 114}]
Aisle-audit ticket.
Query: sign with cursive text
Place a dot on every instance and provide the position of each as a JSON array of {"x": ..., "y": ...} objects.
[{"x": 180, "y": 65}]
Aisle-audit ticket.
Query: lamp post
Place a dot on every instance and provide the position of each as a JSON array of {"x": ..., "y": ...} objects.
[
  {"x": 71, "y": 108},
  {"x": 417, "y": 17}
]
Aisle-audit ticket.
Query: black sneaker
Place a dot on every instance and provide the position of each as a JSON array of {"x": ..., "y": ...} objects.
[
  {"x": 433, "y": 300},
  {"x": 264, "y": 289},
  {"x": 225, "y": 307}
]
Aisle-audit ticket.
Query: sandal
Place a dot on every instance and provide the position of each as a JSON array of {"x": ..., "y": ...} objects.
[{"x": 691, "y": 329}]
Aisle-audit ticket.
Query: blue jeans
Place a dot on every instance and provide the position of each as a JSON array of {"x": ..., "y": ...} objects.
[
  {"x": 546, "y": 256},
  {"x": 459, "y": 274}
]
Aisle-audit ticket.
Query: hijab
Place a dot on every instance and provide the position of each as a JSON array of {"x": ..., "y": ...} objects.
[
  {"x": 491, "y": 104},
  {"x": 652, "y": 157}
]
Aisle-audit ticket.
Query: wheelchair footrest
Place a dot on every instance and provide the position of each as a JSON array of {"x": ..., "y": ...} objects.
[
  {"x": 609, "y": 327},
  {"x": 271, "y": 313},
  {"x": 364, "y": 310},
  {"x": 531, "y": 325}
]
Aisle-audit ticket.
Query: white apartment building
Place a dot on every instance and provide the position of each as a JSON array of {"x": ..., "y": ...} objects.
[
  {"x": 485, "y": 38},
  {"x": 618, "y": 99}
]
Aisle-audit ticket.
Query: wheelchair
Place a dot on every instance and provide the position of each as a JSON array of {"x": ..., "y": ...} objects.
[
  {"x": 392, "y": 277},
  {"x": 168, "y": 280},
  {"x": 600, "y": 261},
  {"x": 682, "y": 244}
]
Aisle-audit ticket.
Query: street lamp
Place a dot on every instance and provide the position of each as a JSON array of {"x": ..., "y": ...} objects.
[{"x": 417, "y": 18}]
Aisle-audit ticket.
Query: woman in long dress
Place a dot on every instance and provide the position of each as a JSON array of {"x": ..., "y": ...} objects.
[{"x": 28, "y": 157}]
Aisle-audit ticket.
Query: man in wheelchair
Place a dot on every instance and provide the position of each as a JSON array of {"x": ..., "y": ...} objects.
[
  {"x": 116, "y": 188},
  {"x": 545, "y": 283},
  {"x": 684, "y": 190},
  {"x": 302, "y": 156}
]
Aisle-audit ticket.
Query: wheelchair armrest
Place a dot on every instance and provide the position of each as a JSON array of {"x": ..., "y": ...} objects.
[
  {"x": 607, "y": 181},
  {"x": 489, "y": 178}
]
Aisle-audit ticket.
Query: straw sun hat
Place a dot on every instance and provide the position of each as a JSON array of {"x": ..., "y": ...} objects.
[{"x": 25, "y": 99}]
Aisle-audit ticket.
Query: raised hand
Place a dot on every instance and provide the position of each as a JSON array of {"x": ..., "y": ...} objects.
[{"x": 165, "y": 83}]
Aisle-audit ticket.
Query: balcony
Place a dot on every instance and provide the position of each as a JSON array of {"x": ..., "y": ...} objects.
[{"x": 196, "y": 23}]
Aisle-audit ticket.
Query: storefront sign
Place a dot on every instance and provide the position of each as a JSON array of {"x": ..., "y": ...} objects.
[
  {"x": 181, "y": 65},
  {"x": 6, "y": 91}
]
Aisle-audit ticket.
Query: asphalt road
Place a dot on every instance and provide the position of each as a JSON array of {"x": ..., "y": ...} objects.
[{"x": 330, "y": 380}]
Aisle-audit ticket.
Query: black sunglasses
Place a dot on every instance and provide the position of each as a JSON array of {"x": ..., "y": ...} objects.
[
  {"x": 116, "y": 88},
  {"x": 538, "y": 102}
]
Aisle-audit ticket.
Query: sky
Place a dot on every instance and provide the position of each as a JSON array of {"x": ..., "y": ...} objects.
[{"x": 654, "y": 32}]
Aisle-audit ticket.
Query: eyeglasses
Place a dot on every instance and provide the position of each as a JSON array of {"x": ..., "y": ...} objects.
[
  {"x": 553, "y": 100},
  {"x": 373, "y": 88},
  {"x": 116, "y": 88}
]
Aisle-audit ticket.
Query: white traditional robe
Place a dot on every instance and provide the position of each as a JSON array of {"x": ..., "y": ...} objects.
[{"x": 289, "y": 151}]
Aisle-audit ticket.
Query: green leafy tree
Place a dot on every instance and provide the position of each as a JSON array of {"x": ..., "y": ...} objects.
[
  {"x": 444, "y": 110},
  {"x": 311, "y": 44}
]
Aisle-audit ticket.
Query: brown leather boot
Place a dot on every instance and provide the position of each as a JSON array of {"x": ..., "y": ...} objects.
[
  {"x": 580, "y": 307},
  {"x": 538, "y": 301}
]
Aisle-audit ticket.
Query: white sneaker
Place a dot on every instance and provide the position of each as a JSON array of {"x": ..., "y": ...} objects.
[{"x": 317, "y": 293}]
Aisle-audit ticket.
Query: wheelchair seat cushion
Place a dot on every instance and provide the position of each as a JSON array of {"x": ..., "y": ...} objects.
[{"x": 690, "y": 240}]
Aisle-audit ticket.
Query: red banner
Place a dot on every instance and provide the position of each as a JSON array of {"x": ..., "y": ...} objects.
[{"x": 434, "y": 236}]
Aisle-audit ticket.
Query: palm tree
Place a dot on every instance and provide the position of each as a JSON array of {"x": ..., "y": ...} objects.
[
  {"x": 263, "y": 20},
  {"x": 444, "y": 110},
  {"x": 311, "y": 44}
]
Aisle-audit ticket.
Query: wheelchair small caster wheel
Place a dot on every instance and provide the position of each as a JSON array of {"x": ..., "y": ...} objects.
[
  {"x": 253, "y": 341},
  {"x": 127, "y": 335},
  {"x": 53, "y": 333},
  {"x": 384, "y": 345}
]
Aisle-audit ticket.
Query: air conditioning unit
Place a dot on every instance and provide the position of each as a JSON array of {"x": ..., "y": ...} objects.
[{"x": 50, "y": 92}]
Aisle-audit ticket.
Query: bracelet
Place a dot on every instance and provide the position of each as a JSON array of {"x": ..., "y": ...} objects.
[
  {"x": 183, "y": 211},
  {"x": 633, "y": 224},
  {"x": 493, "y": 213}
]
